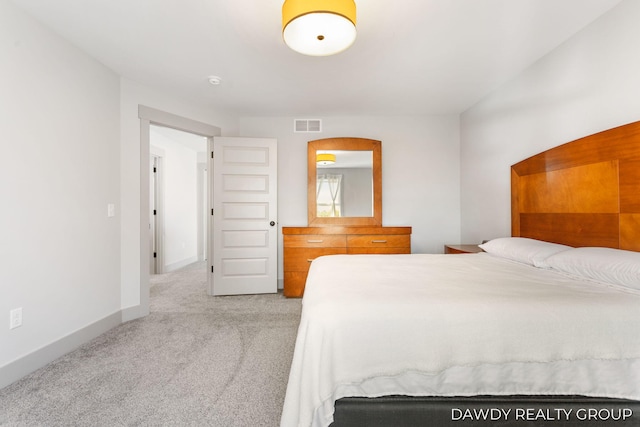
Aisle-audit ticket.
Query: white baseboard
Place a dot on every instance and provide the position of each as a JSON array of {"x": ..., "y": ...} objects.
[
  {"x": 19, "y": 368},
  {"x": 132, "y": 313},
  {"x": 182, "y": 263}
]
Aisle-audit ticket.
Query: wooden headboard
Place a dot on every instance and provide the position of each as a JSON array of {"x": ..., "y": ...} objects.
[{"x": 582, "y": 193}]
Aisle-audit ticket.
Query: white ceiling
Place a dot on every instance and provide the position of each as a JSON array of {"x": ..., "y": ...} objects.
[
  {"x": 410, "y": 56},
  {"x": 349, "y": 159}
]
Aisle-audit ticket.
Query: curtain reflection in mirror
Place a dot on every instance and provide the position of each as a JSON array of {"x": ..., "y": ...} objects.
[{"x": 329, "y": 195}]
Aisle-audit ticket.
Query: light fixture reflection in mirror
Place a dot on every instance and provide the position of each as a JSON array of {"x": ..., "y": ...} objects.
[{"x": 325, "y": 159}]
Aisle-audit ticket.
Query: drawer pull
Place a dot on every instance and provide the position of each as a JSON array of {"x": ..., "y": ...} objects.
[
  {"x": 378, "y": 241},
  {"x": 315, "y": 241}
]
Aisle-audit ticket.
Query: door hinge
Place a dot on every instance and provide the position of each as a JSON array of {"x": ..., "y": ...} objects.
[
  {"x": 211, "y": 211},
  {"x": 212, "y": 268},
  {"x": 155, "y": 255},
  {"x": 155, "y": 212},
  {"x": 212, "y": 154},
  {"x": 154, "y": 169}
]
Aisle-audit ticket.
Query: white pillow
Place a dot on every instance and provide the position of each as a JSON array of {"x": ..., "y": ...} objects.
[
  {"x": 522, "y": 249},
  {"x": 607, "y": 265}
]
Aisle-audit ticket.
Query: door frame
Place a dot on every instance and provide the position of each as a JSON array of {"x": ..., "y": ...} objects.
[{"x": 149, "y": 116}]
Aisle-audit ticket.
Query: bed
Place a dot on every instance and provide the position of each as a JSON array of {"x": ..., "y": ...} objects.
[{"x": 541, "y": 329}]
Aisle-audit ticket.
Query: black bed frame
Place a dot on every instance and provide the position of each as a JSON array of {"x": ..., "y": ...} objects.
[{"x": 486, "y": 411}]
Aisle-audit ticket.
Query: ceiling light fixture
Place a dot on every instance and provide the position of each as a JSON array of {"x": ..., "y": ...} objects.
[
  {"x": 325, "y": 159},
  {"x": 319, "y": 27}
]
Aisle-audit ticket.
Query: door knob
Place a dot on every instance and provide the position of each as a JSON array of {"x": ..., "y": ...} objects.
[{"x": 272, "y": 223}]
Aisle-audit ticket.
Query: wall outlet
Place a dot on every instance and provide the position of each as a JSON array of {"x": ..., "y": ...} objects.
[{"x": 15, "y": 318}]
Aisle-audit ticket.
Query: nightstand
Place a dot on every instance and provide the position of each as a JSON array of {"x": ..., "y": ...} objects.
[{"x": 462, "y": 249}]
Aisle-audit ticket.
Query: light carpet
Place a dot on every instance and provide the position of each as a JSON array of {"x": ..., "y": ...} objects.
[{"x": 195, "y": 360}]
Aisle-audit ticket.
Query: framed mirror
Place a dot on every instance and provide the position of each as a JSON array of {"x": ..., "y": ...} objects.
[{"x": 344, "y": 186}]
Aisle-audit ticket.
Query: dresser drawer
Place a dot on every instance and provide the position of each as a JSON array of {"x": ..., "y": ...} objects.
[
  {"x": 379, "y": 241},
  {"x": 315, "y": 241},
  {"x": 299, "y": 259},
  {"x": 378, "y": 250}
]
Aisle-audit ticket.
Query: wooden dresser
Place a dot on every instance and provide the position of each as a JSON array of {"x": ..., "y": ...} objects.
[{"x": 303, "y": 244}]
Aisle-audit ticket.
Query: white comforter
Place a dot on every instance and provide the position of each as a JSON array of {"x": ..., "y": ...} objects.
[{"x": 375, "y": 325}]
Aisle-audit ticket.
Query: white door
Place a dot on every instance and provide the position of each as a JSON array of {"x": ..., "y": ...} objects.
[{"x": 245, "y": 211}]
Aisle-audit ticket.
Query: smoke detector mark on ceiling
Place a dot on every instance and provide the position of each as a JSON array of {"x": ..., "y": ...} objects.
[
  {"x": 307, "y": 125},
  {"x": 214, "y": 80}
]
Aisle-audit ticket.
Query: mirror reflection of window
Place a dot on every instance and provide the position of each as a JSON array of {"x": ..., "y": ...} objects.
[
  {"x": 329, "y": 195},
  {"x": 353, "y": 192}
]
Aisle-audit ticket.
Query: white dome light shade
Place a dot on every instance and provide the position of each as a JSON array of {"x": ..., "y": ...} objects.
[
  {"x": 319, "y": 34},
  {"x": 319, "y": 27}
]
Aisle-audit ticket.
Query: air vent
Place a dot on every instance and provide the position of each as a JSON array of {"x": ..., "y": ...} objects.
[{"x": 307, "y": 125}]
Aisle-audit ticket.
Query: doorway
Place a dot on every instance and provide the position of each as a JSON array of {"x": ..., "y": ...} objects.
[
  {"x": 176, "y": 217},
  {"x": 150, "y": 116}
]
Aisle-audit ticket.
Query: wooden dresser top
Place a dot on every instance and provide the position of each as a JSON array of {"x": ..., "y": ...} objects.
[{"x": 346, "y": 230}]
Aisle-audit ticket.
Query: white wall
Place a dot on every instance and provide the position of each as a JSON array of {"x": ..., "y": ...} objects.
[
  {"x": 180, "y": 203},
  {"x": 134, "y": 179},
  {"x": 62, "y": 114},
  {"x": 59, "y": 124},
  {"x": 588, "y": 84},
  {"x": 420, "y": 171}
]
